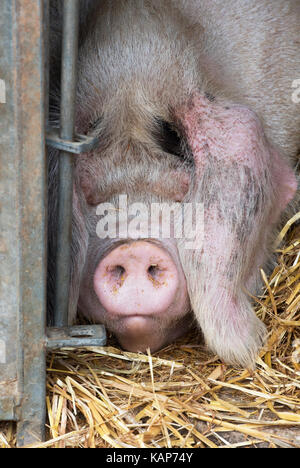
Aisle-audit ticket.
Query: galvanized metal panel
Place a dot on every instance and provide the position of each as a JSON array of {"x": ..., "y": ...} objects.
[
  {"x": 9, "y": 221},
  {"x": 22, "y": 218}
]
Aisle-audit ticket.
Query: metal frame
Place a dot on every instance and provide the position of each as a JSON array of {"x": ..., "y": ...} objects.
[
  {"x": 22, "y": 218},
  {"x": 65, "y": 183},
  {"x": 23, "y": 186},
  {"x": 68, "y": 144}
]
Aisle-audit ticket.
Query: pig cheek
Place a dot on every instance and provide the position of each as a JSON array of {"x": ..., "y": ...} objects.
[
  {"x": 181, "y": 186},
  {"x": 88, "y": 304},
  {"x": 87, "y": 187},
  {"x": 87, "y": 173}
]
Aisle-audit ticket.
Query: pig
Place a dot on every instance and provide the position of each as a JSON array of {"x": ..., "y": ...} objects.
[{"x": 192, "y": 104}]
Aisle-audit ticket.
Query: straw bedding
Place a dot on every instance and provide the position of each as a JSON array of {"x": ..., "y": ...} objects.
[{"x": 183, "y": 396}]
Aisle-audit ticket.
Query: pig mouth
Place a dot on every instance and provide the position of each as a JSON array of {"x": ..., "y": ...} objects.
[
  {"x": 135, "y": 324},
  {"x": 137, "y": 333}
]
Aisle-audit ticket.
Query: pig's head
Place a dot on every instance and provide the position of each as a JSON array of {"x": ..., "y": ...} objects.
[
  {"x": 165, "y": 138},
  {"x": 132, "y": 279},
  {"x": 143, "y": 289}
]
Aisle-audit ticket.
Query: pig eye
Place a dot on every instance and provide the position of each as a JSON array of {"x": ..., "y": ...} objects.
[{"x": 170, "y": 140}]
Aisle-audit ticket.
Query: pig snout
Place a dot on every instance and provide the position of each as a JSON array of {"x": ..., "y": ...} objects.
[
  {"x": 140, "y": 287},
  {"x": 136, "y": 279}
]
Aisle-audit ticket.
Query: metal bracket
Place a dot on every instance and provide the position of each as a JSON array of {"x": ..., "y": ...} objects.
[
  {"x": 81, "y": 143},
  {"x": 76, "y": 336}
]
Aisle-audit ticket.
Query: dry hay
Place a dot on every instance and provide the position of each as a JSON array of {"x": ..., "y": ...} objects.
[{"x": 183, "y": 396}]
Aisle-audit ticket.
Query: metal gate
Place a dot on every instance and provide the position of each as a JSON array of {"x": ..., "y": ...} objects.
[{"x": 23, "y": 185}]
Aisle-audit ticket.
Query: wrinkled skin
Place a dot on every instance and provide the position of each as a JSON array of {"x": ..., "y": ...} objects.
[{"x": 192, "y": 104}]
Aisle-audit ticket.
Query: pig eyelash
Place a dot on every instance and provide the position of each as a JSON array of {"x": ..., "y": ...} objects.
[
  {"x": 93, "y": 125},
  {"x": 170, "y": 140}
]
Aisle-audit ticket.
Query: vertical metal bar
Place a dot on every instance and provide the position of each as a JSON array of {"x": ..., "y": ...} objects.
[
  {"x": 10, "y": 265},
  {"x": 68, "y": 100},
  {"x": 29, "y": 109},
  {"x": 22, "y": 219},
  {"x": 46, "y": 21}
]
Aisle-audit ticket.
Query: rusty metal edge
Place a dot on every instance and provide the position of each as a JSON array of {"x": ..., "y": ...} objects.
[
  {"x": 30, "y": 82},
  {"x": 9, "y": 261}
]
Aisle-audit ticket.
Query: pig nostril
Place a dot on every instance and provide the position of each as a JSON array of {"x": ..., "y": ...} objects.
[
  {"x": 154, "y": 272},
  {"x": 117, "y": 272}
]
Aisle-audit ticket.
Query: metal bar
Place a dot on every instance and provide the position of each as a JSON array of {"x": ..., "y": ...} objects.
[
  {"x": 9, "y": 219},
  {"x": 81, "y": 143},
  {"x": 46, "y": 26},
  {"x": 29, "y": 107},
  {"x": 67, "y": 123},
  {"x": 33, "y": 215},
  {"x": 22, "y": 219},
  {"x": 76, "y": 336}
]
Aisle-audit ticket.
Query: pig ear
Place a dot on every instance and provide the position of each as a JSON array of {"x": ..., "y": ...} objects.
[{"x": 233, "y": 134}]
